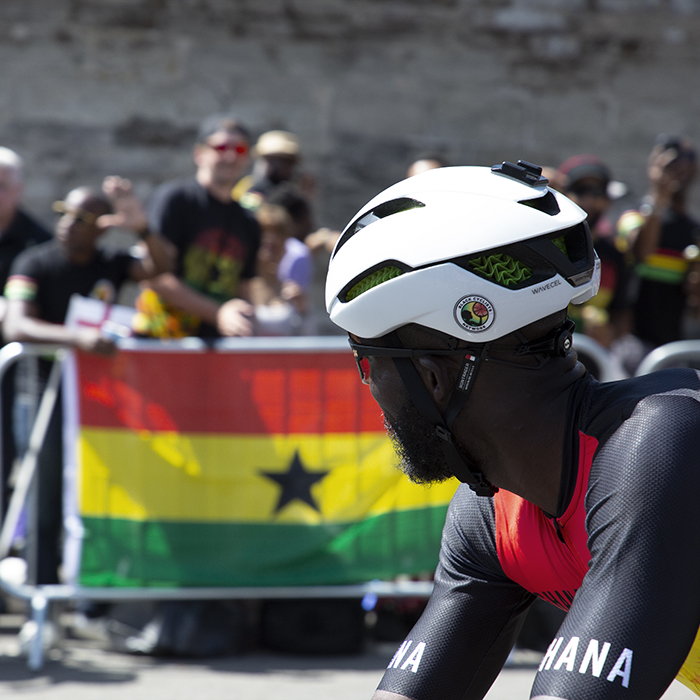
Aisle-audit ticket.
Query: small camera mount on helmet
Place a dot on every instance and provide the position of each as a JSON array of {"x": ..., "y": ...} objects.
[{"x": 529, "y": 173}]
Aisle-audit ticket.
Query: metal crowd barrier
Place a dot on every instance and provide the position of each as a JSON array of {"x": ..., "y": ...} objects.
[
  {"x": 599, "y": 361},
  {"x": 39, "y": 596},
  {"x": 9, "y": 355},
  {"x": 682, "y": 353}
]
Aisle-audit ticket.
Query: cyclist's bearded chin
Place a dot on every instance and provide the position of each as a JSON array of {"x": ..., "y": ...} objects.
[{"x": 417, "y": 445}]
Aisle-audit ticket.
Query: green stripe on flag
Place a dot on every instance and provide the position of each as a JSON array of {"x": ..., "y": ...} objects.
[
  {"x": 659, "y": 274},
  {"x": 127, "y": 553}
]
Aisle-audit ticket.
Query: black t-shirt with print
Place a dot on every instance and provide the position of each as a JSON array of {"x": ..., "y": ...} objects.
[
  {"x": 22, "y": 233},
  {"x": 217, "y": 242},
  {"x": 57, "y": 279}
]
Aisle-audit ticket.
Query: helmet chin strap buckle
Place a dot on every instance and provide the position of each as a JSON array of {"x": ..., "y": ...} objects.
[
  {"x": 461, "y": 470},
  {"x": 443, "y": 433}
]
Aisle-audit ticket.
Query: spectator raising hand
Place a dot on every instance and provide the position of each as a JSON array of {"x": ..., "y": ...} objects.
[{"x": 657, "y": 235}]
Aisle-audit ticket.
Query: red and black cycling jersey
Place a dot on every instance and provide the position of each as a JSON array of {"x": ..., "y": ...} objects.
[{"x": 621, "y": 555}]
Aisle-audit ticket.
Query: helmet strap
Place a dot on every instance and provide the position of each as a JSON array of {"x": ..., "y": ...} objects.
[
  {"x": 556, "y": 343},
  {"x": 460, "y": 467}
]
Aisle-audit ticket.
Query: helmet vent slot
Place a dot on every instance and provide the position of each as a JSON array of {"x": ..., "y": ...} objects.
[
  {"x": 547, "y": 204},
  {"x": 371, "y": 278},
  {"x": 393, "y": 206},
  {"x": 376, "y": 278}
]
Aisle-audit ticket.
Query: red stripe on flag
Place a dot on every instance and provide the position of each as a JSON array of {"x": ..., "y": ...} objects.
[{"x": 236, "y": 393}]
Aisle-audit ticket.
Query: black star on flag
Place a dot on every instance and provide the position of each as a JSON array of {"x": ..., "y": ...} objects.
[{"x": 296, "y": 484}]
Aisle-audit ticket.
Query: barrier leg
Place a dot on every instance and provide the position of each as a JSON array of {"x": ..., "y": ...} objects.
[
  {"x": 29, "y": 462},
  {"x": 36, "y": 650}
]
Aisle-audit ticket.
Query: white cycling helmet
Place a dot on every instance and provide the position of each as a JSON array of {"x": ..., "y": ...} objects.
[{"x": 473, "y": 252}]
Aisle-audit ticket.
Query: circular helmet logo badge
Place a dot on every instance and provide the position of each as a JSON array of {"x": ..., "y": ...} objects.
[{"x": 474, "y": 313}]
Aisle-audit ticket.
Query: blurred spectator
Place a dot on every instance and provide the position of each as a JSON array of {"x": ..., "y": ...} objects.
[
  {"x": 38, "y": 292},
  {"x": 277, "y": 156},
  {"x": 324, "y": 239},
  {"x": 289, "y": 196},
  {"x": 692, "y": 290},
  {"x": 284, "y": 273},
  {"x": 606, "y": 317},
  {"x": 18, "y": 231},
  {"x": 426, "y": 161},
  {"x": 656, "y": 235},
  {"x": 215, "y": 239},
  {"x": 43, "y": 279},
  {"x": 275, "y": 178}
]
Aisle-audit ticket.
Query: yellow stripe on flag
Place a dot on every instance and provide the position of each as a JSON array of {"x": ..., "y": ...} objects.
[
  {"x": 666, "y": 262},
  {"x": 214, "y": 478}
]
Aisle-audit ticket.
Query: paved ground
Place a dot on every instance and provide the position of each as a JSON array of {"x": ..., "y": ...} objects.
[{"x": 86, "y": 670}]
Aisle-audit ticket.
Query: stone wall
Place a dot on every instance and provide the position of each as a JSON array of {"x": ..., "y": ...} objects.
[{"x": 92, "y": 87}]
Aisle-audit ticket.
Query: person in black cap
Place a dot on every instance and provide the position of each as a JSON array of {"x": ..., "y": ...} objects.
[{"x": 587, "y": 180}]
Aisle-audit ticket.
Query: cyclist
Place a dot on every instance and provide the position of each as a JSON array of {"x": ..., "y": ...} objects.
[{"x": 453, "y": 286}]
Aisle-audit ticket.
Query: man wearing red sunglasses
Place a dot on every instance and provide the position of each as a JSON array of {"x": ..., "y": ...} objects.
[{"x": 216, "y": 242}]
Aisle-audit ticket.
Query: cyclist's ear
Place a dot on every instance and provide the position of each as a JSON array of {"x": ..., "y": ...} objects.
[{"x": 438, "y": 376}]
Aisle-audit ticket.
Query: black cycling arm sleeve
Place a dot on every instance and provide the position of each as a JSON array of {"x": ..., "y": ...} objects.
[{"x": 469, "y": 626}]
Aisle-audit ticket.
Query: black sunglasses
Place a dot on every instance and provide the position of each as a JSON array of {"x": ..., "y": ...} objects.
[{"x": 362, "y": 352}]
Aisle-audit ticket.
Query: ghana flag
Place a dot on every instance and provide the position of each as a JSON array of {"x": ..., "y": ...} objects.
[{"x": 242, "y": 468}]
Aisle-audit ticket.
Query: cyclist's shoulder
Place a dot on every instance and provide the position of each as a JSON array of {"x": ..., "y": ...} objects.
[
  {"x": 469, "y": 550},
  {"x": 647, "y": 435},
  {"x": 606, "y": 407},
  {"x": 470, "y": 527},
  {"x": 660, "y": 382},
  {"x": 469, "y": 513}
]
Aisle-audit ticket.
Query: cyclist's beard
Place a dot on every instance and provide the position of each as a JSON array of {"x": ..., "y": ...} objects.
[{"x": 417, "y": 446}]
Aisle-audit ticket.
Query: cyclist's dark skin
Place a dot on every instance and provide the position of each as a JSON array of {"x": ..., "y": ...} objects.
[{"x": 513, "y": 424}]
